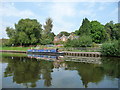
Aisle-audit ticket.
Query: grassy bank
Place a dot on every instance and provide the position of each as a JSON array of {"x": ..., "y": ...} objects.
[
  {"x": 17, "y": 48},
  {"x": 88, "y": 49},
  {"x": 25, "y": 48},
  {"x": 14, "y": 54}
]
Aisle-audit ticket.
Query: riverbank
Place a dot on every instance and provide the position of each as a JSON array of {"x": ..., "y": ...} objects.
[
  {"x": 17, "y": 48},
  {"x": 68, "y": 53},
  {"x": 81, "y": 49}
]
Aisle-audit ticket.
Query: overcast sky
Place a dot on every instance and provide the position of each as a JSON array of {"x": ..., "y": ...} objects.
[{"x": 67, "y": 16}]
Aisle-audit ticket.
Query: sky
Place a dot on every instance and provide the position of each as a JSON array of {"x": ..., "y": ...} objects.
[{"x": 66, "y": 16}]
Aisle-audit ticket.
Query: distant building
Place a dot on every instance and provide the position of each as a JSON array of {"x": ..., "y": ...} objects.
[
  {"x": 64, "y": 38},
  {"x": 56, "y": 39}
]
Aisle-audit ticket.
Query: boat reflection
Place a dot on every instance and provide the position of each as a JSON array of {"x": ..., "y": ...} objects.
[{"x": 58, "y": 60}]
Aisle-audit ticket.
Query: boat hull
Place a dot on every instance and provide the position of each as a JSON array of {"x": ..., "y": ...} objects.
[{"x": 47, "y": 53}]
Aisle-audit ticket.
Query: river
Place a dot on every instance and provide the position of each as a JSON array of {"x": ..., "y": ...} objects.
[{"x": 41, "y": 71}]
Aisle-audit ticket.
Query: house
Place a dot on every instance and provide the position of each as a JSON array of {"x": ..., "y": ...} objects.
[
  {"x": 56, "y": 39},
  {"x": 64, "y": 38}
]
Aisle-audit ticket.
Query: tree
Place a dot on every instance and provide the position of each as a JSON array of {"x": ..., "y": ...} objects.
[
  {"x": 12, "y": 35},
  {"x": 85, "y": 28},
  {"x": 116, "y": 31},
  {"x": 26, "y": 32},
  {"x": 98, "y": 32},
  {"x": 113, "y": 30},
  {"x": 47, "y": 34},
  {"x": 48, "y": 26},
  {"x": 10, "y": 32},
  {"x": 64, "y": 33},
  {"x": 109, "y": 27}
]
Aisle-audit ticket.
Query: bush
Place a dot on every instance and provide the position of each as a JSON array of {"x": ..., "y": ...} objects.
[
  {"x": 95, "y": 45},
  {"x": 111, "y": 48},
  {"x": 83, "y": 41}
]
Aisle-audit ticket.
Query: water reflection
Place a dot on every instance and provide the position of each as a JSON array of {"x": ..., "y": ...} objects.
[{"x": 30, "y": 70}]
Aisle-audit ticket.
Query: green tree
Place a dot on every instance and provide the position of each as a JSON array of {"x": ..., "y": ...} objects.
[
  {"x": 98, "y": 32},
  {"x": 10, "y": 32},
  {"x": 26, "y": 32},
  {"x": 117, "y": 31},
  {"x": 113, "y": 30},
  {"x": 85, "y": 28},
  {"x": 48, "y": 26},
  {"x": 83, "y": 41},
  {"x": 64, "y": 33},
  {"x": 47, "y": 34},
  {"x": 12, "y": 35},
  {"x": 109, "y": 27}
]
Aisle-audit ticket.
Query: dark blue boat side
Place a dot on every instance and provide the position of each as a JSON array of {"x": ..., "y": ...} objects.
[{"x": 44, "y": 51}]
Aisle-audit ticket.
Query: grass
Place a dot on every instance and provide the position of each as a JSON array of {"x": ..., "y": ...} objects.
[
  {"x": 17, "y": 48},
  {"x": 43, "y": 47},
  {"x": 14, "y": 54},
  {"x": 25, "y": 48}
]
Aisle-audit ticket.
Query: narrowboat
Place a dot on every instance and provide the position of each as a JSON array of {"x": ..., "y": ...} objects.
[{"x": 45, "y": 51}]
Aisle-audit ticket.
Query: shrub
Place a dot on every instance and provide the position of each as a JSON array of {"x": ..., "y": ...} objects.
[
  {"x": 111, "y": 48},
  {"x": 83, "y": 41},
  {"x": 95, "y": 45}
]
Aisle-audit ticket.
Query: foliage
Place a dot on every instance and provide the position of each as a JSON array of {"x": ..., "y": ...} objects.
[
  {"x": 48, "y": 26},
  {"x": 85, "y": 28},
  {"x": 113, "y": 30},
  {"x": 63, "y": 33},
  {"x": 98, "y": 32},
  {"x": 111, "y": 48},
  {"x": 3, "y": 42},
  {"x": 26, "y": 32},
  {"x": 10, "y": 32},
  {"x": 95, "y": 45},
  {"x": 117, "y": 31},
  {"x": 83, "y": 41},
  {"x": 47, "y": 35}
]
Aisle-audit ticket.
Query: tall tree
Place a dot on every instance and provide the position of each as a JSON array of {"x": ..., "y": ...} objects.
[
  {"x": 47, "y": 34},
  {"x": 85, "y": 28},
  {"x": 48, "y": 26}
]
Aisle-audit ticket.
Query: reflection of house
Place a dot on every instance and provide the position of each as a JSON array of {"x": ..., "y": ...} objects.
[{"x": 64, "y": 38}]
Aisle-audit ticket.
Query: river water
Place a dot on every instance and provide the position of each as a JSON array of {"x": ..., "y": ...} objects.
[{"x": 41, "y": 71}]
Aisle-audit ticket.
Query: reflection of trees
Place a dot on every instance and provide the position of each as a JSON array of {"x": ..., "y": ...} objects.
[
  {"x": 111, "y": 66},
  {"x": 46, "y": 69},
  {"x": 95, "y": 73},
  {"x": 25, "y": 70},
  {"x": 88, "y": 72}
]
